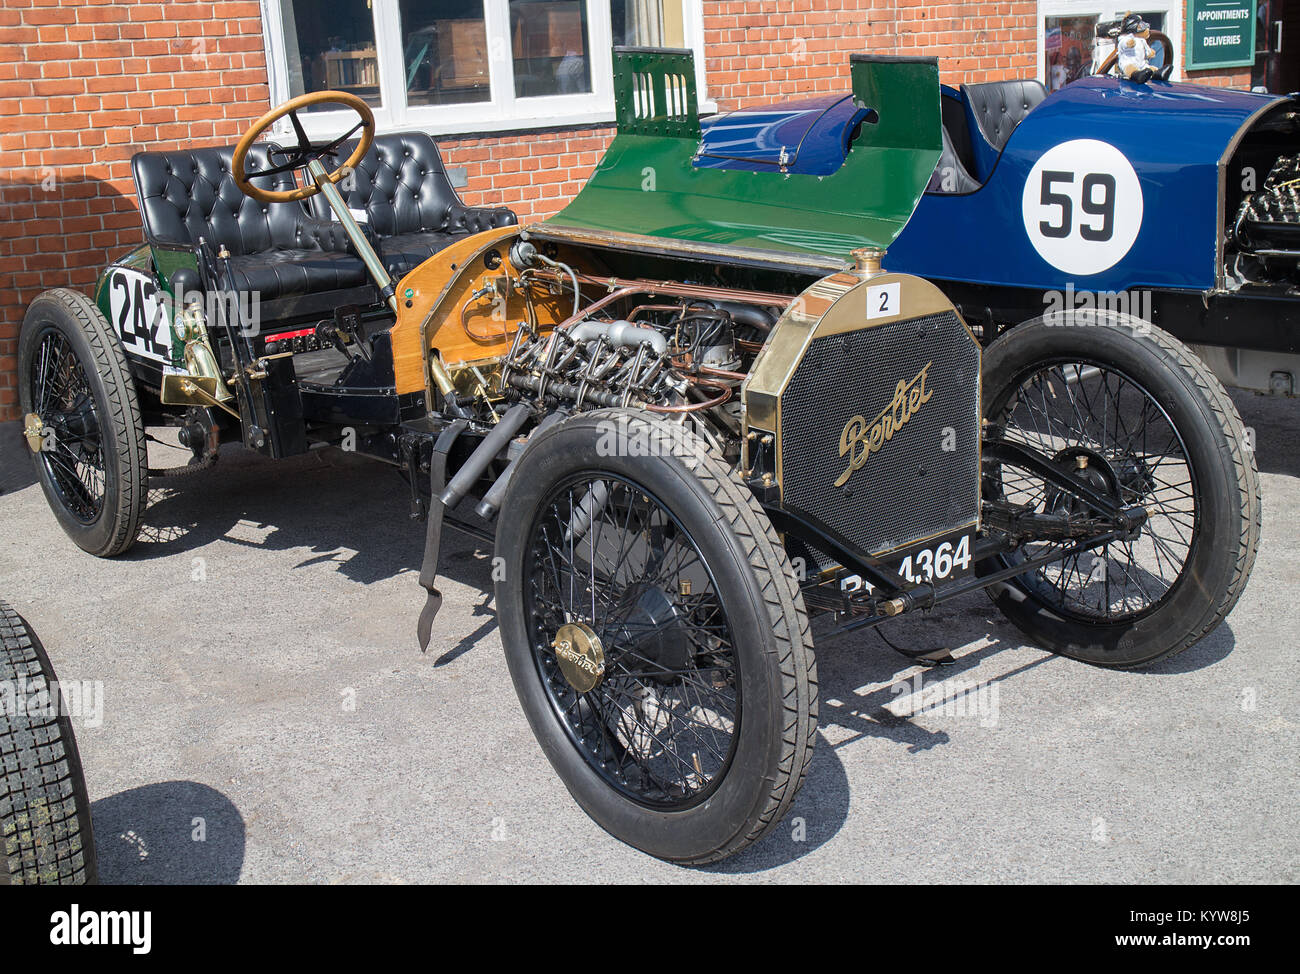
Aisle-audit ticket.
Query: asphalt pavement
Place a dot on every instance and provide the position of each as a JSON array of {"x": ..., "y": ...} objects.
[{"x": 267, "y": 715}]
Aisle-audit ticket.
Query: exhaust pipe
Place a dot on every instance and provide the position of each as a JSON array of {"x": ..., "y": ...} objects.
[
  {"x": 591, "y": 506},
  {"x": 474, "y": 468},
  {"x": 491, "y": 503}
]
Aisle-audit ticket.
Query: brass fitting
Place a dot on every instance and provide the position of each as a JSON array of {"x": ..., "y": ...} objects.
[
  {"x": 893, "y": 607},
  {"x": 34, "y": 431},
  {"x": 866, "y": 261}
]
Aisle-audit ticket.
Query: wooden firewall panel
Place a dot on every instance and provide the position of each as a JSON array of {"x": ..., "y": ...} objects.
[{"x": 433, "y": 314}]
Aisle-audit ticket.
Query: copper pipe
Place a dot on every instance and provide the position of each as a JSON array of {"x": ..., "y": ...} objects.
[
  {"x": 723, "y": 396},
  {"x": 701, "y": 291},
  {"x": 596, "y": 305},
  {"x": 631, "y": 315},
  {"x": 723, "y": 373},
  {"x": 620, "y": 288},
  {"x": 684, "y": 308},
  {"x": 585, "y": 313},
  {"x": 480, "y": 338},
  {"x": 684, "y": 362},
  {"x": 694, "y": 406}
]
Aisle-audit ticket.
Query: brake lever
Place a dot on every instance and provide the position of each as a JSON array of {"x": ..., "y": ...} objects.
[{"x": 346, "y": 326}]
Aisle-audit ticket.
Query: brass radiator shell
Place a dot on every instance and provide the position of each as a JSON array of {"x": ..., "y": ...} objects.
[{"x": 874, "y": 422}]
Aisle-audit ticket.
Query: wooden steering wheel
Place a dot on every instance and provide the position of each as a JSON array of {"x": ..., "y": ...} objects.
[
  {"x": 1110, "y": 59},
  {"x": 304, "y": 152}
]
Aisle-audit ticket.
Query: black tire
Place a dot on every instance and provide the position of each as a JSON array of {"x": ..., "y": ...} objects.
[
  {"x": 1221, "y": 510},
  {"x": 750, "y": 586},
  {"x": 101, "y": 508},
  {"x": 45, "y": 834}
]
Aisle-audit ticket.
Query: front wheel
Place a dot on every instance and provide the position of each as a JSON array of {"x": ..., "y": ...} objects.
[
  {"x": 82, "y": 421},
  {"x": 655, "y": 635},
  {"x": 1127, "y": 407}
]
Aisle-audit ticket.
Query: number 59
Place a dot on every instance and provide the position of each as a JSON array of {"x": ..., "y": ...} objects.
[{"x": 1092, "y": 204}]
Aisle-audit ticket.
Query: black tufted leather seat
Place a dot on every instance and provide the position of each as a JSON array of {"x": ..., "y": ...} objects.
[
  {"x": 999, "y": 106},
  {"x": 996, "y": 108},
  {"x": 277, "y": 249},
  {"x": 412, "y": 207}
]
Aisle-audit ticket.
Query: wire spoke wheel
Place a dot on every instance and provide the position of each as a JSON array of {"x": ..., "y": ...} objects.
[
  {"x": 72, "y": 452},
  {"x": 655, "y": 634},
  {"x": 82, "y": 421},
  {"x": 1103, "y": 426},
  {"x": 1130, "y": 411},
  {"x": 660, "y": 723}
]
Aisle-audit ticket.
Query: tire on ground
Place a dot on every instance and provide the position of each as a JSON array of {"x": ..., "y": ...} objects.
[
  {"x": 126, "y": 468},
  {"x": 45, "y": 833},
  {"x": 772, "y": 641},
  {"x": 1229, "y": 504}
]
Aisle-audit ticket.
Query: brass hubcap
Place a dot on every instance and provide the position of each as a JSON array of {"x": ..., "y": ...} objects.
[
  {"x": 580, "y": 655},
  {"x": 33, "y": 429}
]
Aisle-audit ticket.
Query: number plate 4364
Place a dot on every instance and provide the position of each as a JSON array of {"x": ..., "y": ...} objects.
[{"x": 948, "y": 559}]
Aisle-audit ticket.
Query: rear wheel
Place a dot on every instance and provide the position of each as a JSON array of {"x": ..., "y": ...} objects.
[
  {"x": 82, "y": 421},
  {"x": 45, "y": 835},
  {"x": 1132, "y": 411},
  {"x": 656, "y": 636}
]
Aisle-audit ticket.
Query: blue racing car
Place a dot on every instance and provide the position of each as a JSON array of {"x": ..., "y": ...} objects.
[{"x": 1176, "y": 202}]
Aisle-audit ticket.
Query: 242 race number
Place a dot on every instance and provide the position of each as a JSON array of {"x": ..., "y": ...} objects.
[
  {"x": 1082, "y": 206},
  {"x": 139, "y": 315}
]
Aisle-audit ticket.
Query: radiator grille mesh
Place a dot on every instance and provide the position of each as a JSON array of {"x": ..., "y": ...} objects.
[{"x": 911, "y": 488}]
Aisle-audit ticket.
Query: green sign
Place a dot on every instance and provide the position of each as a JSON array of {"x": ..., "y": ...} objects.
[{"x": 1220, "y": 34}]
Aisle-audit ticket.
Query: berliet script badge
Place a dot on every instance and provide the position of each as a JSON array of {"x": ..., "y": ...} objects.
[{"x": 862, "y": 437}]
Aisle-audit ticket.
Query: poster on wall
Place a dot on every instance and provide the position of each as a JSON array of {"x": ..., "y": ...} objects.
[
  {"x": 1068, "y": 47},
  {"x": 1220, "y": 34}
]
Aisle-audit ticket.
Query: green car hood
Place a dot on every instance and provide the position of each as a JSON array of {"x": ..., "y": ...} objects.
[{"x": 646, "y": 192}]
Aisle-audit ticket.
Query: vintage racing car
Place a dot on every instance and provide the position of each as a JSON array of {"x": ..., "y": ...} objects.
[
  {"x": 1176, "y": 202},
  {"x": 693, "y": 404}
]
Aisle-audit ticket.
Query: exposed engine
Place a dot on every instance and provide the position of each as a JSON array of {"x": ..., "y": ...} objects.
[
  {"x": 840, "y": 392},
  {"x": 1266, "y": 231},
  {"x": 663, "y": 346}
]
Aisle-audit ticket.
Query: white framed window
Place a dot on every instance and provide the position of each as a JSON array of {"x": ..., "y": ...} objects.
[
  {"x": 460, "y": 66},
  {"x": 1068, "y": 47}
]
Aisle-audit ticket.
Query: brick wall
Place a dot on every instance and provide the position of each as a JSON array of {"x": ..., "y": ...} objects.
[
  {"x": 756, "y": 49},
  {"x": 90, "y": 82},
  {"x": 1236, "y": 78},
  {"x": 533, "y": 175}
]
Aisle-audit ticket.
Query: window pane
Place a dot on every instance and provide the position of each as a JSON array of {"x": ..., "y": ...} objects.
[
  {"x": 445, "y": 52},
  {"x": 648, "y": 23},
  {"x": 1072, "y": 47},
  {"x": 1067, "y": 42},
  {"x": 1157, "y": 21},
  {"x": 549, "y": 43},
  {"x": 331, "y": 47}
]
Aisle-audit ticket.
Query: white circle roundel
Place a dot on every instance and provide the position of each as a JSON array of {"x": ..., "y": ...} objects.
[{"x": 1082, "y": 206}]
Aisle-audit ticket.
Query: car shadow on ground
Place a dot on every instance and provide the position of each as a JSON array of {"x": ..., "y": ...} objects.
[
  {"x": 173, "y": 833},
  {"x": 348, "y": 511},
  {"x": 1273, "y": 424},
  {"x": 354, "y": 513},
  {"x": 483, "y": 608},
  {"x": 345, "y": 509},
  {"x": 1213, "y": 647},
  {"x": 860, "y": 676},
  {"x": 867, "y": 691},
  {"x": 16, "y": 468}
]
